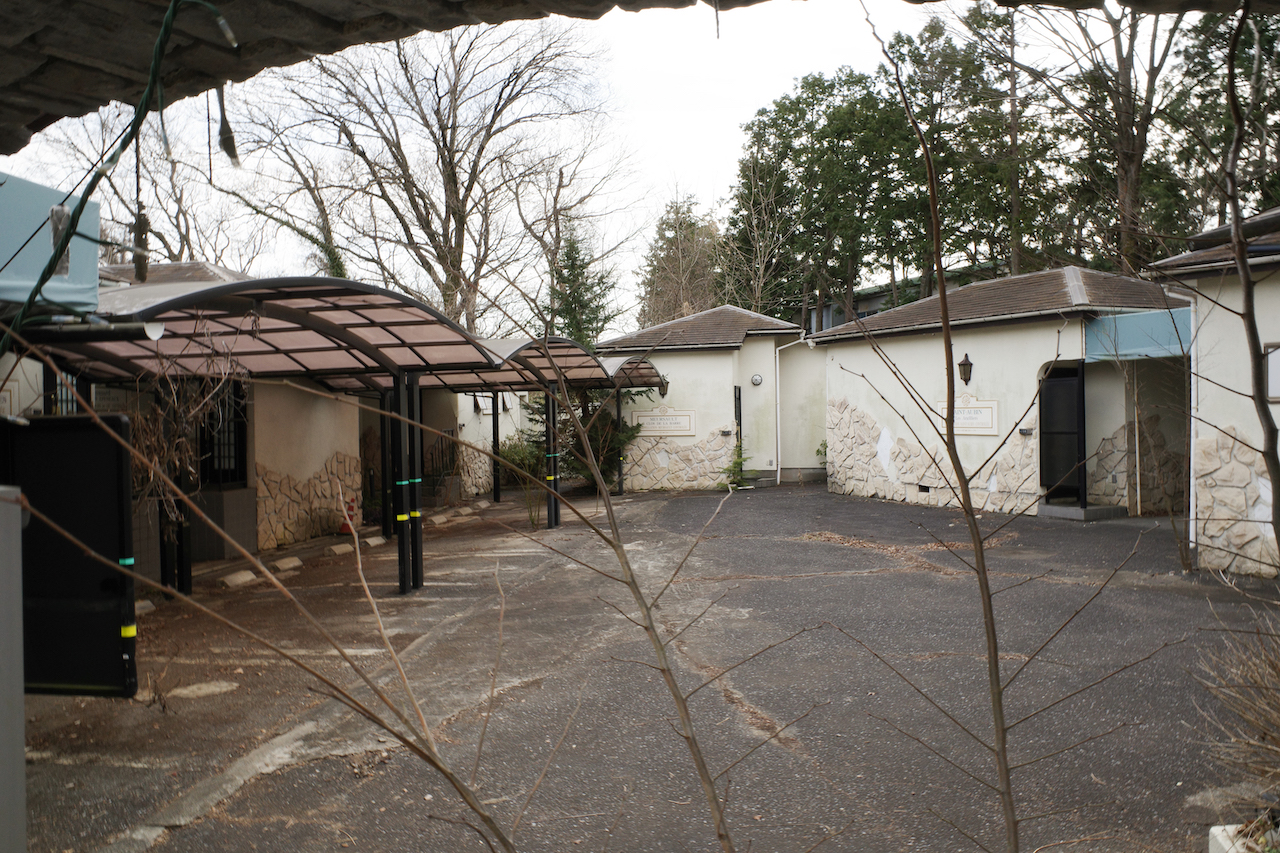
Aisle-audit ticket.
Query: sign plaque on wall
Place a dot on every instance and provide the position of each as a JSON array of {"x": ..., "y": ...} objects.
[
  {"x": 664, "y": 421},
  {"x": 973, "y": 416}
]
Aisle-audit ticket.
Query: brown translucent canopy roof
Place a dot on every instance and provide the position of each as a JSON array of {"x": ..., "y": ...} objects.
[{"x": 347, "y": 336}]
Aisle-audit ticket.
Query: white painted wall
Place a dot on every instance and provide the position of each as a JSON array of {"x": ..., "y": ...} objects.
[
  {"x": 803, "y": 398},
  {"x": 759, "y": 422},
  {"x": 20, "y": 395},
  {"x": 476, "y": 427},
  {"x": 1007, "y": 361},
  {"x": 1233, "y": 495},
  {"x": 700, "y": 381},
  {"x": 295, "y": 433},
  {"x": 1108, "y": 404},
  {"x": 1222, "y": 356}
]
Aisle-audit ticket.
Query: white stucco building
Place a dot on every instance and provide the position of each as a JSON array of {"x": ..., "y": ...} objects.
[
  {"x": 731, "y": 373},
  {"x": 1077, "y": 397},
  {"x": 1232, "y": 495}
]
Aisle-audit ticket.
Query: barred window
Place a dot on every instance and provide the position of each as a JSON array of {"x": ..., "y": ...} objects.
[{"x": 223, "y": 440}]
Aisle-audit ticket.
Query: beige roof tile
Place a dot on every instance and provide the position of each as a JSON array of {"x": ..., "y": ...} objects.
[
  {"x": 726, "y": 326},
  {"x": 1066, "y": 290}
]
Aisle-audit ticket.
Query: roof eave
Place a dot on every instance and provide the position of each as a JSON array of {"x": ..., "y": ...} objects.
[{"x": 1072, "y": 313}]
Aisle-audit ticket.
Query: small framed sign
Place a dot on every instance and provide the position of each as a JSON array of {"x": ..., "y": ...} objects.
[
  {"x": 665, "y": 421},
  {"x": 973, "y": 416}
]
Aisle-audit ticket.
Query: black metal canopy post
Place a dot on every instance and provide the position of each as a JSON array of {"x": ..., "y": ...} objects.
[
  {"x": 386, "y": 486},
  {"x": 415, "y": 476},
  {"x": 400, "y": 478},
  {"x": 617, "y": 424},
  {"x": 497, "y": 469},
  {"x": 1082, "y": 476},
  {"x": 553, "y": 460}
]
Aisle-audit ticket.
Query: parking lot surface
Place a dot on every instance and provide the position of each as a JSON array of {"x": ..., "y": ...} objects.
[{"x": 515, "y": 641}]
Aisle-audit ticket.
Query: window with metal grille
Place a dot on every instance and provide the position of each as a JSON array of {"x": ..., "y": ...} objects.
[
  {"x": 223, "y": 440},
  {"x": 58, "y": 397}
]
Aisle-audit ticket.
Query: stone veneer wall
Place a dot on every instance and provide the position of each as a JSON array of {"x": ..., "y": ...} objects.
[
  {"x": 476, "y": 470},
  {"x": 1109, "y": 479},
  {"x": 1233, "y": 507},
  {"x": 1164, "y": 471},
  {"x": 292, "y": 510},
  {"x": 863, "y": 460},
  {"x": 659, "y": 462}
]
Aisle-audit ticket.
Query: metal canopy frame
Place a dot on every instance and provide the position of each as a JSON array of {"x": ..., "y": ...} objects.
[{"x": 348, "y": 337}]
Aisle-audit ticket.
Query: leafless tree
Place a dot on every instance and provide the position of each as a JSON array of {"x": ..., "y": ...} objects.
[
  {"x": 435, "y": 127},
  {"x": 298, "y": 189},
  {"x": 156, "y": 198},
  {"x": 680, "y": 272},
  {"x": 750, "y": 264},
  {"x": 1110, "y": 80}
]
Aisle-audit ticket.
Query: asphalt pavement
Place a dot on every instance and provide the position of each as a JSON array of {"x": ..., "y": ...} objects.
[{"x": 875, "y": 710}]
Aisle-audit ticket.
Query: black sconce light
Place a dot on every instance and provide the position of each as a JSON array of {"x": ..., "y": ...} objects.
[{"x": 966, "y": 369}]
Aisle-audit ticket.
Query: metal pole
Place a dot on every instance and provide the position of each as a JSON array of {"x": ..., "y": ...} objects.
[
  {"x": 388, "y": 475},
  {"x": 400, "y": 475},
  {"x": 553, "y": 456},
  {"x": 617, "y": 399},
  {"x": 415, "y": 477},
  {"x": 497, "y": 469}
]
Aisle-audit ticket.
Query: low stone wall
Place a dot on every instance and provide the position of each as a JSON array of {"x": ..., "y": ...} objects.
[
  {"x": 1233, "y": 507},
  {"x": 1164, "y": 471},
  {"x": 292, "y": 510},
  {"x": 1108, "y": 481},
  {"x": 661, "y": 462},
  {"x": 476, "y": 471},
  {"x": 864, "y": 459}
]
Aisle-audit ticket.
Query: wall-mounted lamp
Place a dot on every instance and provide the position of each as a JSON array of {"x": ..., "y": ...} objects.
[
  {"x": 966, "y": 369},
  {"x": 757, "y": 379}
]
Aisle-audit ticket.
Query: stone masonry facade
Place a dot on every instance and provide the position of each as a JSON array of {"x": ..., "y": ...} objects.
[
  {"x": 1108, "y": 481},
  {"x": 291, "y": 510},
  {"x": 1233, "y": 506},
  {"x": 476, "y": 471},
  {"x": 660, "y": 462},
  {"x": 1164, "y": 470},
  {"x": 863, "y": 459}
]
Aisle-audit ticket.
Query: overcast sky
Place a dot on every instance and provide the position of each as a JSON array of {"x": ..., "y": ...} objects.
[{"x": 681, "y": 94}]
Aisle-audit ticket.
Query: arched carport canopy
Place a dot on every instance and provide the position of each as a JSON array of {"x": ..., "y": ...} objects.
[{"x": 347, "y": 336}]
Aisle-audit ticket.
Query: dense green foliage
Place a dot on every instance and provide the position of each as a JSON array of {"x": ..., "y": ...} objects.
[
  {"x": 1101, "y": 152},
  {"x": 581, "y": 303}
]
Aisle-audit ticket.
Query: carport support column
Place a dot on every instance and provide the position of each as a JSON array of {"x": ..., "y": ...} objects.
[
  {"x": 415, "y": 476},
  {"x": 400, "y": 481},
  {"x": 553, "y": 459},
  {"x": 497, "y": 469},
  {"x": 622, "y": 451},
  {"x": 388, "y": 474}
]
